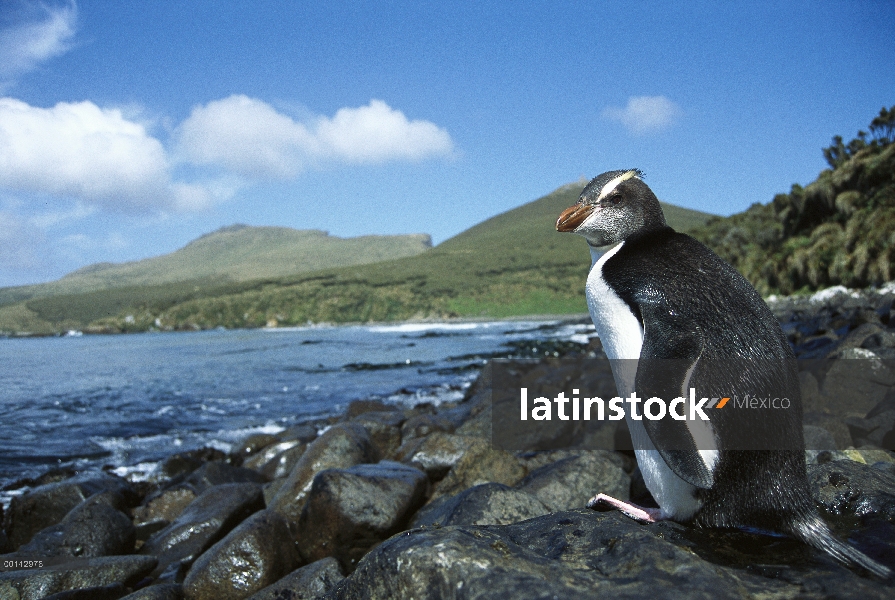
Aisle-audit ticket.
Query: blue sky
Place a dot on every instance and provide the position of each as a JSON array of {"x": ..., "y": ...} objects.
[{"x": 128, "y": 129}]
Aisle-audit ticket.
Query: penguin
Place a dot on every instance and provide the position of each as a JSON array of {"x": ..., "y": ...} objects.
[{"x": 672, "y": 315}]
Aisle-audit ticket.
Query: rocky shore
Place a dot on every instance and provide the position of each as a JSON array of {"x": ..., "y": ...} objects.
[{"x": 393, "y": 502}]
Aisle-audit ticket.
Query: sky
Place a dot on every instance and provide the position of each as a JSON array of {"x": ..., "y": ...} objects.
[{"x": 128, "y": 129}]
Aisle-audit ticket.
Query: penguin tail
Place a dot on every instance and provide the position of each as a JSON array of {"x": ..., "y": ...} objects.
[{"x": 814, "y": 532}]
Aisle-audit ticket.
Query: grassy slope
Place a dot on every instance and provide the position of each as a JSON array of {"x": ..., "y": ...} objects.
[
  {"x": 512, "y": 264},
  {"x": 237, "y": 253}
]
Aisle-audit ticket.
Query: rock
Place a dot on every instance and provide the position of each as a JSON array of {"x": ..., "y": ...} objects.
[
  {"x": 276, "y": 460},
  {"x": 438, "y": 452},
  {"x": 878, "y": 427},
  {"x": 254, "y": 555},
  {"x": 480, "y": 464},
  {"x": 424, "y": 424},
  {"x": 184, "y": 463},
  {"x": 165, "y": 505},
  {"x": 350, "y": 510},
  {"x": 359, "y": 407},
  {"x": 851, "y": 488},
  {"x": 584, "y": 554},
  {"x": 206, "y": 520},
  {"x": 342, "y": 446},
  {"x": 857, "y": 386},
  {"x": 310, "y": 581},
  {"x": 486, "y": 504},
  {"x": 78, "y": 574},
  {"x": 106, "y": 592},
  {"x": 384, "y": 428},
  {"x": 218, "y": 473},
  {"x": 48, "y": 504},
  {"x": 93, "y": 528},
  {"x": 164, "y": 591},
  {"x": 253, "y": 444},
  {"x": 569, "y": 483}
]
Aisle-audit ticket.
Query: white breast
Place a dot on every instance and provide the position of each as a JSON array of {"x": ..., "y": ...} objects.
[{"x": 622, "y": 338}]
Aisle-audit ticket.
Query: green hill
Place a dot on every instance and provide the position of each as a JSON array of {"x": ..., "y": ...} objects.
[
  {"x": 836, "y": 230},
  {"x": 235, "y": 253}
]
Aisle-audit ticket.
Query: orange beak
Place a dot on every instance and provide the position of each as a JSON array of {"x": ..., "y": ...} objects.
[{"x": 573, "y": 216}]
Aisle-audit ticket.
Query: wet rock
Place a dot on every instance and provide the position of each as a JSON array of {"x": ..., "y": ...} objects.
[
  {"x": 437, "y": 453},
  {"x": 206, "y": 520},
  {"x": 215, "y": 473},
  {"x": 486, "y": 504},
  {"x": 253, "y": 444},
  {"x": 583, "y": 554},
  {"x": 384, "y": 428},
  {"x": 184, "y": 463},
  {"x": 93, "y": 528},
  {"x": 878, "y": 427},
  {"x": 254, "y": 555},
  {"x": 481, "y": 464},
  {"x": 425, "y": 424},
  {"x": 846, "y": 487},
  {"x": 359, "y": 407},
  {"x": 310, "y": 581},
  {"x": 342, "y": 446},
  {"x": 165, "y": 505},
  {"x": 164, "y": 591},
  {"x": 48, "y": 504},
  {"x": 350, "y": 510},
  {"x": 569, "y": 483},
  {"x": 276, "y": 460},
  {"x": 857, "y": 386},
  {"x": 76, "y": 575},
  {"x": 303, "y": 432},
  {"x": 106, "y": 592}
]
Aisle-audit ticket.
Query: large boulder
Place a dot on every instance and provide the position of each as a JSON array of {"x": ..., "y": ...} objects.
[
  {"x": 350, "y": 510},
  {"x": 846, "y": 487},
  {"x": 342, "y": 446},
  {"x": 569, "y": 483},
  {"x": 33, "y": 584},
  {"x": 310, "y": 581},
  {"x": 258, "y": 552},
  {"x": 485, "y": 504},
  {"x": 205, "y": 521}
]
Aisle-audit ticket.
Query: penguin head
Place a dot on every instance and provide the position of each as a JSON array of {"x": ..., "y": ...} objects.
[{"x": 613, "y": 207}]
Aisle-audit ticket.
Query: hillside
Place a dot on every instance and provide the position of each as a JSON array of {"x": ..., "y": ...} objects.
[
  {"x": 235, "y": 253},
  {"x": 836, "y": 230},
  {"x": 512, "y": 264}
]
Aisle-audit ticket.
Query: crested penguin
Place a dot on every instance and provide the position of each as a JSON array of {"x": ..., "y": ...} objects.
[{"x": 671, "y": 314}]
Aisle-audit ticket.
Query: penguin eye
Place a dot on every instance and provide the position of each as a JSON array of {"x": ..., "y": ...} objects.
[{"x": 613, "y": 200}]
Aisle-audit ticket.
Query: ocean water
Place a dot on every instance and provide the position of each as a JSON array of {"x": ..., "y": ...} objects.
[{"x": 131, "y": 400}]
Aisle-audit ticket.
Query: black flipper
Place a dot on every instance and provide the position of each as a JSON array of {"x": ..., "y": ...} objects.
[{"x": 671, "y": 350}]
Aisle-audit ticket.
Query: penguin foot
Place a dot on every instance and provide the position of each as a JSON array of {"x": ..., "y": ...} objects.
[{"x": 632, "y": 511}]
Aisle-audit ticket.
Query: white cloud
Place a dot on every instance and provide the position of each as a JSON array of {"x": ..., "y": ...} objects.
[
  {"x": 249, "y": 137},
  {"x": 91, "y": 154},
  {"x": 645, "y": 114},
  {"x": 20, "y": 243},
  {"x": 34, "y": 38}
]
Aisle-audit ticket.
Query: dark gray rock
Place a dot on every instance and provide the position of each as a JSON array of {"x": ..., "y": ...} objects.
[
  {"x": 846, "y": 487},
  {"x": 164, "y": 591},
  {"x": 78, "y": 574},
  {"x": 252, "y": 444},
  {"x": 276, "y": 460},
  {"x": 438, "y": 452},
  {"x": 165, "y": 505},
  {"x": 359, "y": 407},
  {"x": 48, "y": 504},
  {"x": 215, "y": 473},
  {"x": 310, "y": 581},
  {"x": 344, "y": 445},
  {"x": 425, "y": 424},
  {"x": 878, "y": 427},
  {"x": 480, "y": 464},
  {"x": 350, "y": 510},
  {"x": 569, "y": 483},
  {"x": 304, "y": 433},
  {"x": 93, "y": 528},
  {"x": 254, "y": 555},
  {"x": 486, "y": 504},
  {"x": 178, "y": 466},
  {"x": 106, "y": 592},
  {"x": 584, "y": 554},
  {"x": 384, "y": 428},
  {"x": 205, "y": 521}
]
